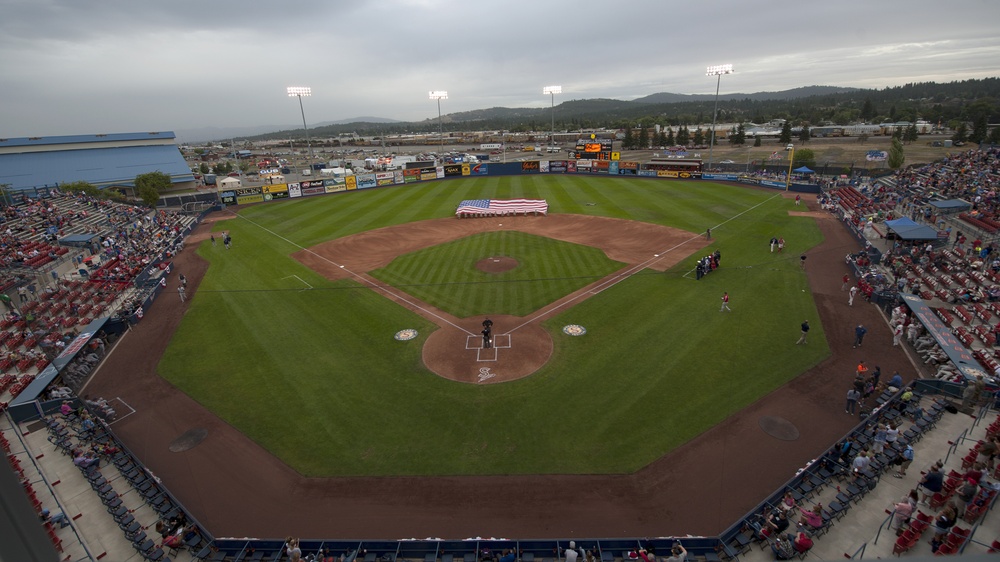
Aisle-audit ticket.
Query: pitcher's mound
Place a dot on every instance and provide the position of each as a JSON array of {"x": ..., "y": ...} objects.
[{"x": 496, "y": 265}]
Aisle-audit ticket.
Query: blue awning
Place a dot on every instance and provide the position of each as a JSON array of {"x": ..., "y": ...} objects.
[{"x": 906, "y": 229}]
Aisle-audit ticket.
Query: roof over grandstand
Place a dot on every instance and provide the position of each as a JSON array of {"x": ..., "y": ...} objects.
[
  {"x": 951, "y": 204},
  {"x": 907, "y": 229},
  {"x": 103, "y": 160}
]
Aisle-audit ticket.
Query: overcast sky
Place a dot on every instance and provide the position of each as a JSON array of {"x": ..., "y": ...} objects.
[{"x": 73, "y": 67}]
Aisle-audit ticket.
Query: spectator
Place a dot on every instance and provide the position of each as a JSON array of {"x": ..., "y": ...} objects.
[
  {"x": 930, "y": 484},
  {"x": 677, "y": 553},
  {"x": 903, "y": 461},
  {"x": 59, "y": 518},
  {"x": 901, "y": 513},
  {"x": 812, "y": 519},
  {"x": 86, "y": 460},
  {"x": 571, "y": 553}
]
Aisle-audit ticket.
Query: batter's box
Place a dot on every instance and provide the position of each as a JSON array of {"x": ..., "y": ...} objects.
[
  {"x": 501, "y": 341},
  {"x": 486, "y": 354}
]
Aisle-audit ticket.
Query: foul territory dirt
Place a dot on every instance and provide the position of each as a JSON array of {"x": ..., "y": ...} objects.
[{"x": 235, "y": 488}]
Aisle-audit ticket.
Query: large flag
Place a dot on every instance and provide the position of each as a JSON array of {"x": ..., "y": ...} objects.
[{"x": 484, "y": 207}]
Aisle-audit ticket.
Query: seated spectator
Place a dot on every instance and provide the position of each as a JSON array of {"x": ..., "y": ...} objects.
[
  {"x": 801, "y": 541},
  {"x": 782, "y": 549},
  {"x": 788, "y": 503},
  {"x": 59, "y": 518},
  {"x": 775, "y": 524},
  {"x": 508, "y": 556},
  {"x": 86, "y": 460},
  {"x": 65, "y": 409},
  {"x": 813, "y": 518}
]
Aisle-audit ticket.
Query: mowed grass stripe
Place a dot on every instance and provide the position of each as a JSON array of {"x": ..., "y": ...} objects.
[{"x": 252, "y": 347}]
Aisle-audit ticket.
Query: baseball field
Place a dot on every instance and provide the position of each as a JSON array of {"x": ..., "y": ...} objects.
[{"x": 306, "y": 364}]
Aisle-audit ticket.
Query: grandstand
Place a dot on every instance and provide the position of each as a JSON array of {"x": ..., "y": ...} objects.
[
  {"x": 114, "y": 509},
  {"x": 32, "y": 166}
]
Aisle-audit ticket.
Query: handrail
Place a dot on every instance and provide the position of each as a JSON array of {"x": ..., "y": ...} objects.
[{"x": 886, "y": 524}]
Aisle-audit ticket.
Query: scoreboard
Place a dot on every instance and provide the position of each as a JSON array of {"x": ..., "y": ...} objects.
[{"x": 593, "y": 149}]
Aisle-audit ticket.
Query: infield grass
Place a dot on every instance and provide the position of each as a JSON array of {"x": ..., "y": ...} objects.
[{"x": 316, "y": 377}]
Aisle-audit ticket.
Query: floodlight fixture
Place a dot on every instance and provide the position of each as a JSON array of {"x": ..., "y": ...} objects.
[
  {"x": 439, "y": 95},
  {"x": 717, "y": 71},
  {"x": 298, "y": 92},
  {"x": 552, "y": 91}
]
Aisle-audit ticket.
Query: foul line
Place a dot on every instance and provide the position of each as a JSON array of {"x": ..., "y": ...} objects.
[
  {"x": 630, "y": 271},
  {"x": 357, "y": 276}
]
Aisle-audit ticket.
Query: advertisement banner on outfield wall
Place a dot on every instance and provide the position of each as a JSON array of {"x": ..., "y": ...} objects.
[
  {"x": 720, "y": 177},
  {"x": 428, "y": 174},
  {"x": 571, "y": 166},
  {"x": 245, "y": 199},
  {"x": 530, "y": 167},
  {"x": 247, "y": 191},
  {"x": 294, "y": 190},
  {"x": 613, "y": 168},
  {"x": 557, "y": 167},
  {"x": 543, "y": 166},
  {"x": 366, "y": 180},
  {"x": 689, "y": 175},
  {"x": 352, "y": 182},
  {"x": 397, "y": 177},
  {"x": 452, "y": 170},
  {"x": 584, "y": 164},
  {"x": 227, "y": 197},
  {"x": 277, "y": 188},
  {"x": 384, "y": 178},
  {"x": 479, "y": 169},
  {"x": 306, "y": 191},
  {"x": 600, "y": 166},
  {"x": 411, "y": 176},
  {"x": 440, "y": 172},
  {"x": 748, "y": 179},
  {"x": 647, "y": 173},
  {"x": 769, "y": 183},
  {"x": 628, "y": 168},
  {"x": 666, "y": 174},
  {"x": 333, "y": 186},
  {"x": 273, "y": 196}
]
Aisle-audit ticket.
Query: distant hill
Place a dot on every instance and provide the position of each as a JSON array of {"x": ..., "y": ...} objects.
[
  {"x": 794, "y": 93},
  {"x": 813, "y": 105}
]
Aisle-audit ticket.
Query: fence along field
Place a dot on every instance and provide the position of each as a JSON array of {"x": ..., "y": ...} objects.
[{"x": 316, "y": 377}]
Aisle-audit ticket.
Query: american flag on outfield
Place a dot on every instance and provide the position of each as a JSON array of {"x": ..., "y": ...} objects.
[{"x": 502, "y": 206}]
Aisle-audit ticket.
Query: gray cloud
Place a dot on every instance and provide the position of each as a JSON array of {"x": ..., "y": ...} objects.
[{"x": 78, "y": 67}]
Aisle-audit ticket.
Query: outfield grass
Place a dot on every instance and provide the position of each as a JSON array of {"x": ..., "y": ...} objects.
[{"x": 317, "y": 378}]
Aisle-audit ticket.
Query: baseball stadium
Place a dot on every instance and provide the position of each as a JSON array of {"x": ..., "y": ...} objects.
[{"x": 475, "y": 363}]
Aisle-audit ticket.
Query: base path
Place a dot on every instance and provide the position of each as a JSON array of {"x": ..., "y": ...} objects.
[
  {"x": 236, "y": 488},
  {"x": 455, "y": 351}
]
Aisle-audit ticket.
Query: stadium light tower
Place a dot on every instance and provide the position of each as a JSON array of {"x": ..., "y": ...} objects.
[
  {"x": 716, "y": 71},
  {"x": 552, "y": 90},
  {"x": 440, "y": 95},
  {"x": 791, "y": 160},
  {"x": 298, "y": 92}
]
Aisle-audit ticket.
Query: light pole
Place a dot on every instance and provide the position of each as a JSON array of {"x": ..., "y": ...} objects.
[
  {"x": 791, "y": 159},
  {"x": 552, "y": 90},
  {"x": 440, "y": 95},
  {"x": 716, "y": 71},
  {"x": 298, "y": 92}
]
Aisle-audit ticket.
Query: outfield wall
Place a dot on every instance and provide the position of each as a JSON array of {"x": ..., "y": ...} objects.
[{"x": 369, "y": 180}]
